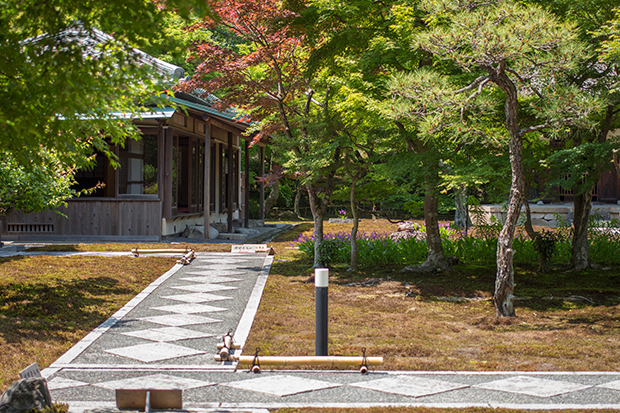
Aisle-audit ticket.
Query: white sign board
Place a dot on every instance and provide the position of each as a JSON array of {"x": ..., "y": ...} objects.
[
  {"x": 30, "y": 371},
  {"x": 252, "y": 248}
]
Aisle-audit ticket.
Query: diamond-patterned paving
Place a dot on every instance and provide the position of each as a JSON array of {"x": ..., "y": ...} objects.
[{"x": 168, "y": 340}]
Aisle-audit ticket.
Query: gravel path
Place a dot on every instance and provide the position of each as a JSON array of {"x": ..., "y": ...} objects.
[{"x": 166, "y": 337}]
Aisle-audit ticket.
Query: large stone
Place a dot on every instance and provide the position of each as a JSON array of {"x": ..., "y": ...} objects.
[
  {"x": 418, "y": 235},
  {"x": 409, "y": 226},
  {"x": 247, "y": 231},
  {"x": 24, "y": 395},
  {"x": 198, "y": 232},
  {"x": 288, "y": 216}
]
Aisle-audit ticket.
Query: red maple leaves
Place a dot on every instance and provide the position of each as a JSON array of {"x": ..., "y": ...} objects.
[{"x": 259, "y": 67}]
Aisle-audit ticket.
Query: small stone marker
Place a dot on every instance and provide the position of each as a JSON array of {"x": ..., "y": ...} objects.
[
  {"x": 252, "y": 248},
  {"x": 30, "y": 371}
]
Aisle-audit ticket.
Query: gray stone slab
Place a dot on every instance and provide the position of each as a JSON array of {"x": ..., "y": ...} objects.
[
  {"x": 204, "y": 288},
  {"x": 189, "y": 308},
  {"x": 178, "y": 320},
  {"x": 154, "y": 352},
  {"x": 533, "y": 386},
  {"x": 167, "y": 334},
  {"x": 410, "y": 385},
  {"x": 197, "y": 297},
  {"x": 211, "y": 279},
  {"x": 282, "y": 385},
  {"x": 156, "y": 381}
]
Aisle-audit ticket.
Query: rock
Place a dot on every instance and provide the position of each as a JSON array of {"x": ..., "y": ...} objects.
[
  {"x": 340, "y": 220},
  {"x": 247, "y": 231},
  {"x": 409, "y": 226},
  {"x": 288, "y": 216},
  {"x": 418, "y": 235},
  {"x": 197, "y": 232},
  {"x": 540, "y": 203},
  {"x": 24, "y": 395}
]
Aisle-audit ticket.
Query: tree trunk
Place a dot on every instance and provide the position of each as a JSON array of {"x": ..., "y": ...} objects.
[
  {"x": 580, "y": 248},
  {"x": 355, "y": 213},
  {"x": 298, "y": 201},
  {"x": 317, "y": 215},
  {"x": 504, "y": 281},
  {"x": 435, "y": 261},
  {"x": 272, "y": 198},
  {"x": 461, "y": 215}
]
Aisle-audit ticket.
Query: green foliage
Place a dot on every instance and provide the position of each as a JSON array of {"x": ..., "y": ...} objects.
[
  {"x": 376, "y": 250},
  {"x": 35, "y": 187},
  {"x": 579, "y": 168},
  {"x": 545, "y": 242}
]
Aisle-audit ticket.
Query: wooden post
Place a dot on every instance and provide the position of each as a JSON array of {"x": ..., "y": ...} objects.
[
  {"x": 168, "y": 172},
  {"x": 262, "y": 184},
  {"x": 246, "y": 184},
  {"x": 161, "y": 161},
  {"x": 229, "y": 183},
  {"x": 207, "y": 182}
]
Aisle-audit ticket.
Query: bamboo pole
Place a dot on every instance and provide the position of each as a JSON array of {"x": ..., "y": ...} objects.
[
  {"x": 137, "y": 251},
  {"x": 306, "y": 360}
]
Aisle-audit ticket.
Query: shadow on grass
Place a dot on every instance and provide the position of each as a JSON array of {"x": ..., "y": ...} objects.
[
  {"x": 55, "y": 247},
  {"x": 293, "y": 234},
  {"x": 558, "y": 290},
  {"x": 40, "y": 310}
]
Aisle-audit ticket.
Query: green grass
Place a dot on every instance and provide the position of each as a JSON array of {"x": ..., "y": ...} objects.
[{"x": 47, "y": 304}]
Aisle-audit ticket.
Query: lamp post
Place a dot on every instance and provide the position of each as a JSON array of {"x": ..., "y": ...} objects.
[{"x": 321, "y": 281}]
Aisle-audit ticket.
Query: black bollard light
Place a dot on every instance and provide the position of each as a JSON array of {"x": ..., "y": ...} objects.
[{"x": 321, "y": 281}]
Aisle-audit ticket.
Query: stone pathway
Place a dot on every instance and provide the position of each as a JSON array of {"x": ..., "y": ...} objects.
[{"x": 166, "y": 337}]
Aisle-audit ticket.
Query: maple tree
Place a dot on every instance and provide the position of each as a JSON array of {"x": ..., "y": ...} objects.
[{"x": 260, "y": 69}]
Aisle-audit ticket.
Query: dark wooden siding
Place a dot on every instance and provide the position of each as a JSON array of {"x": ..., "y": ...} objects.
[{"x": 111, "y": 217}]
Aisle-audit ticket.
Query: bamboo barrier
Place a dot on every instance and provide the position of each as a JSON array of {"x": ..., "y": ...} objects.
[
  {"x": 138, "y": 251},
  {"x": 305, "y": 360},
  {"x": 186, "y": 258}
]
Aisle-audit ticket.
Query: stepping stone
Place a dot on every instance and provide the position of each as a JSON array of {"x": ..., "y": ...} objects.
[
  {"x": 613, "y": 385},
  {"x": 204, "y": 288},
  {"x": 532, "y": 386},
  {"x": 410, "y": 386},
  {"x": 189, "y": 308},
  {"x": 154, "y": 352},
  {"x": 58, "y": 383},
  {"x": 281, "y": 385},
  {"x": 218, "y": 267},
  {"x": 156, "y": 381},
  {"x": 211, "y": 273},
  {"x": 168, "y": 334},
  {"x": 197, "y": 297},
  {"x": 178, "y": 320},
  {"x": 212, "y": 279}
]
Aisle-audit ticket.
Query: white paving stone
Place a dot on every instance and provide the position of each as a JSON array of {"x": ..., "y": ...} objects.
[
  {"x": 197, "y": 297},
  {"x": 217, "y": 267},
  {"x": 214, "y": 279},
  {"x": 211, "y": 273},
  {"x": 204, "y": 288},
  {"x": 613, "y": 385},
  {"x": 156, "y": 381},
  {"x": 178, "y": 320},
  {"x": 533, "y": 386},
  {"x": 189, "y": 308},
  {"x": 410, "y": 385},
  {"x": 58, "y": 383},
  {"x": 154, "y": 352},
  {"x": 168, "y": 334},
  {"x": 281, "y": 385}
]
